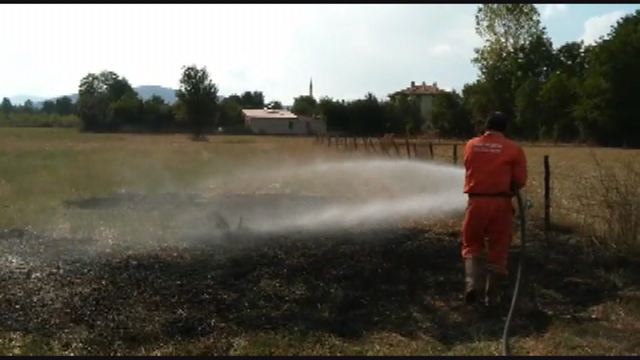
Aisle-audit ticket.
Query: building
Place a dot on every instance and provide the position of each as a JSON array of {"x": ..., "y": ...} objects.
[
  {"x": 425, "y": 94},
  {"x": 281, "y": 122}
]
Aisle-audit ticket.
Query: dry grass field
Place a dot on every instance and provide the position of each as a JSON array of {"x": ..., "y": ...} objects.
[{"x": 106, "y": 275}]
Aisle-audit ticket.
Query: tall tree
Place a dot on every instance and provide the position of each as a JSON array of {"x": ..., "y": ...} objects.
[
  {"x": 504, "y": 28},
  {"x": 230, "y": 113},
  {"x": 96, "y": 94},
  {"x": 609, "y": 109},
  {"x": 449, "y": 115},
  {"x": 510, "y": 66},
  {"x": 7, "y": 107},
  {"x": 157, "y": 113},
  {"x": 557, "y": 99},
  {"x": 304, "y": 105},
  {"x": 48, "y": 107},
  {"x": 199, "y": 98},
  {"x": 28, "y": 107},
  {"x": 252, "y": 100},
  {"x": 64, "y": 106}
]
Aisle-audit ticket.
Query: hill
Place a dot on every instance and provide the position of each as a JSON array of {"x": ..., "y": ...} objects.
[{"x": 144, "y": 91}]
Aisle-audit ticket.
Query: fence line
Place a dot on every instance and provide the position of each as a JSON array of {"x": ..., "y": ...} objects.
[{"x": 409, "y": 147}]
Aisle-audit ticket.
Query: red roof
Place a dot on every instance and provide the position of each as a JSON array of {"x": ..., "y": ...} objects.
[{"x": 422, "y": 89}]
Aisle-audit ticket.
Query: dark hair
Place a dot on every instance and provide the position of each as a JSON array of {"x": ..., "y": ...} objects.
[{"x": 497, "y": 122}]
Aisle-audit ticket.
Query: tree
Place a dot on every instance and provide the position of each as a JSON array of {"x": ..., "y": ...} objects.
[
  {"x": 335, "y": 114},
  {"x": 557, "y": 98},
  {"x": 252, "y": 100},
  {"x": 28, "y": 107},
  {"x": 367, "y": 117},
  {"x": 304, "y": 105},
  {"x": 157, "y": 114},
  {"x": 504, "y": 28},
  {"x": 609, "y": 111},
  {"x": 404, "y": 115},
  {"x": 48, "y": 107},
  {"x": 571, "y": 59},
  {"x": 127, "y": 110},
  {"x": 449, "y": 115},
  {"x": 64, "y": 106},
  {"x": 516, "y": 58},
  {"x": 7, "y": 107},
  {"x": 199, "y": 98},
  {"x": 477, "y": 103},
  {"x": 96, "y": 94},
  {"x": 230, "y": 113},
  {"x": 275, "y": 105},
  {"x": 527, "y": 110}
]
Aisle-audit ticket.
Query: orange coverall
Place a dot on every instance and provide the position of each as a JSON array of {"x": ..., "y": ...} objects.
[{"x": 494, "y": 168}]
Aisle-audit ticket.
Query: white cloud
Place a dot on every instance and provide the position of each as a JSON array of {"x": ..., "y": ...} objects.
[
  {"x": 550, "y": 10},
  {"x": 598, "y": 26},
  {"x": 440, "y": 49},
  {"x": 347, "y": 49}
]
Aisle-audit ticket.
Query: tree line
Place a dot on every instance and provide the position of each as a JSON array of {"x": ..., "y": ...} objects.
[
  {"x": 107, "y": 102},
  {"x": 574, "y": 92}
]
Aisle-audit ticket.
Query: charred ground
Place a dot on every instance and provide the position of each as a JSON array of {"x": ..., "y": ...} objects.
[{"x": 205, "y": 297}]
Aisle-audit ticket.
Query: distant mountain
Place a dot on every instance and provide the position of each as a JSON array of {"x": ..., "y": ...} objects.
[
  {"x": 145, "y": 92},
  {"x": 20, "y": 99}
]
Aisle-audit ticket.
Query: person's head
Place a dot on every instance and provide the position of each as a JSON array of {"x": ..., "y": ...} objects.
[{"x": 497, "y": 122}]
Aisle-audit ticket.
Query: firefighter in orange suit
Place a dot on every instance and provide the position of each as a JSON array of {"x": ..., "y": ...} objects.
[{"x": 495, "y": 168}]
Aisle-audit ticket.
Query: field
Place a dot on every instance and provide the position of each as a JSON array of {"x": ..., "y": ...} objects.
[{"x": 92, "y": 260}]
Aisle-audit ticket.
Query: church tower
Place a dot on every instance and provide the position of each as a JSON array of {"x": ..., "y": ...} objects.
[{"x": 310, "y": 87}]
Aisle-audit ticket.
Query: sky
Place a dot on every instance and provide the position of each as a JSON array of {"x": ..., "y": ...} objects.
[{"x": 348, "y": 50}]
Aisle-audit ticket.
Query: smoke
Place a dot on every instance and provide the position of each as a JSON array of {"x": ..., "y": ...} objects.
[
  {"x": 289, "y": 199},
  {"x": 373, "y": 193}
]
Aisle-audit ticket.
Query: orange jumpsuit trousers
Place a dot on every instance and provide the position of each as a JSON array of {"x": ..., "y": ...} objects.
[{"x": 494, "y": 167}]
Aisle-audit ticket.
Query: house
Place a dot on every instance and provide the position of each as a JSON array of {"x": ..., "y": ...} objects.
[
  {"x": 281, "y": 122},
  {"x": 425, "y": 94}
]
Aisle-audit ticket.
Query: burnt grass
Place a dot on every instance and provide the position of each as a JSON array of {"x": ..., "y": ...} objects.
[{"x": 348, "y": 284}]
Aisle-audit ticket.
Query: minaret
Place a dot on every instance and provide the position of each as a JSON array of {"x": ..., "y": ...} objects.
[{"x": 310, "y": 87}]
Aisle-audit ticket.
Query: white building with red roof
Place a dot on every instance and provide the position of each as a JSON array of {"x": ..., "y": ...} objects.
[
  {"x": 282, "y": 122},
  {"x": 424, "y": 93}
]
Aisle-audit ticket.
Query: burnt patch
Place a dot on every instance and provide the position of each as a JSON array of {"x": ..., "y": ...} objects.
[{"x": 347, "y": 284}]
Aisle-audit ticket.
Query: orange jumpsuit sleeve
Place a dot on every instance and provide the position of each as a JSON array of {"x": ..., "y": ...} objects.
[{"x": 520, "y": 169}]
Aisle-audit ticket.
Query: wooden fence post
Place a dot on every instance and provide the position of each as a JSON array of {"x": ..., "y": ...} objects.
[
  {"x": 455, "y": 153},
  {"x": 329, "y": 141},
  {"x": 355, "y": 144},
  {"x": 547, "y": 197},
  {"x": 395, "y": 146},
  {"x": 415, "y": 147},
  {"x": 372, "y": 146},
  {"x": 406, "y": 142},
  {"x": 431, "y": 149},
  {"x": 383, "y": 147}
]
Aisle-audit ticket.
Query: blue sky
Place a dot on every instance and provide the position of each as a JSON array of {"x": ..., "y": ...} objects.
[
  {"x": 570, "y": 24},
  {"x": 276, "y": 48}
]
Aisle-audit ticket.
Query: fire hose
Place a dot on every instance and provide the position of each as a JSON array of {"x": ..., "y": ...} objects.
[{"x": 520, "y": 220}]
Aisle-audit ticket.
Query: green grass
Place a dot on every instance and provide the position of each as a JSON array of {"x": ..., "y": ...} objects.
[
  {"x": 390, "y": 293},
  {"x": 39, "y": 120},
  {"x": 39, "y": 168}
]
